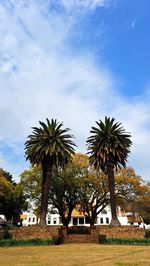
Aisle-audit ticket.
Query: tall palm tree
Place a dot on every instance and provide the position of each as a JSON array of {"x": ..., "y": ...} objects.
[
  {"x": 109, "y": 146},
  {"x": 49, "y": 146}
]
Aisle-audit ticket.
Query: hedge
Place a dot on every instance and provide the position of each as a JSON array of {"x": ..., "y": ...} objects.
[
  {"x": 30, "y": 242},
  {"x": 123, "y": 241}
]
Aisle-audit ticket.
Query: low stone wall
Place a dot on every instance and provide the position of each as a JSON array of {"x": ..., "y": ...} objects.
[
  {"x": 30, "y": 232},
  {"x": 118, "y": 232},
  {"x": 47, "y": 232},
  {"x": 77, "y": 238}
]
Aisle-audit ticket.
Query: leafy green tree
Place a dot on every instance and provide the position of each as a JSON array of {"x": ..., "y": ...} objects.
[
  {"x": 64, "y": 193},
  {"x": 49, "y": 146},
  {"x": 65, "y": 190},
  {"x": 109, "y": 146},
  {"x": 94, "y": 195},
  {"x": 12, "y": 200},
  {"x": 31, "y": 184},
  {"x": 130, "y": 190},
  {"x": 64, "y": 187},
  {"x": 7, "y": 175}
]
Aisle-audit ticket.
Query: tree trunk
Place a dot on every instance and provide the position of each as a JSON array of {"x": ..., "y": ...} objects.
[
  {"x": 92, "y": 217},
  {"x": 111, "y": 181},
  {"x": 66, "y": 219},
  {"x": 92, "y": 222},
  {"x": 46, "y": 177}
]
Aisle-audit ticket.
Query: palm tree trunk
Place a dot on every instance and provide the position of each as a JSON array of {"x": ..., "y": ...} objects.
[
  {"x": 46, "y": 177},
  {"x": 111, "y": 181}
]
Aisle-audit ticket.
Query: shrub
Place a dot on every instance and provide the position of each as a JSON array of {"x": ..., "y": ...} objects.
[
  {"x": 147, "y": 234},
  {"x": 102, "y": 239},
  {"x": 129, "y": 241},
  {"x": 7, "y": 243},
  {"x": 30, "y": 242},
  {"x": 6, "y": 234}
]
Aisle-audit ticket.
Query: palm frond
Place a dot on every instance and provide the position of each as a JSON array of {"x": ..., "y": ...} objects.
[
  {"x": 108, "y": 143},
  {"x": 51, "y": 141}
]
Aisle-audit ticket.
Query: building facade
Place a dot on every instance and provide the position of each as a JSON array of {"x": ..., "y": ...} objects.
[{"x": 78, "y": 219}]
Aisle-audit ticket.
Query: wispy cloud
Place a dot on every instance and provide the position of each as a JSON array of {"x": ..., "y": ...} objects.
[
  {"x": 41, "y": 77},
  {"x": 133, "y": 23},
  {"x": 90, "y": 4}
]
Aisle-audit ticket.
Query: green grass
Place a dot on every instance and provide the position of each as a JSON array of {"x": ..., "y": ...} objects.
[{"x": 75, "y": 255}]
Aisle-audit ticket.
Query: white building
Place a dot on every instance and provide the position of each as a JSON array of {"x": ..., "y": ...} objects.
[{"x": 103, "y": 218}]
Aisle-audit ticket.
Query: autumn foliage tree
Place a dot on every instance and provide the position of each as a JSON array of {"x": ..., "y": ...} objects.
[
  {"x": 133, "y": 193},
  {"x": 31, "y": 185},
  {"x": 95, "y": 194}
]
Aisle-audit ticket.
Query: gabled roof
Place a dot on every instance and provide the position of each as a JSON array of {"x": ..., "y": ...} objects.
[{"x": 23, "y": 216}]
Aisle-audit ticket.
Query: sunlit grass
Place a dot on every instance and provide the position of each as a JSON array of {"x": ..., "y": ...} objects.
[{"x": 76, "y": 255}]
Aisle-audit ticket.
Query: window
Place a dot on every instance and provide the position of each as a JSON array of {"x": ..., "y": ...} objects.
[
  {"x": 49, "y": 221},
  {"x": 54, "y": 221},
  {"x": 87, "y": 220},
  {"x": 75, "y": 221},
  {"x": 81, "y": 220},
  {"x": 29, "y": 220},
  {"x": 101, "y": 221},
  {"x": 33, "y": 219},
  {"x": 107, "y": 220}
]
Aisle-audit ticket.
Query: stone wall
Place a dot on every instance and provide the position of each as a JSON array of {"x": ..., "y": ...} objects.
[
  {"x": 47, "y": 232},
  {"x": 119, "y": 232},
  {"x": 30, "y": 232},
  {"x": 77, "y": 238}
]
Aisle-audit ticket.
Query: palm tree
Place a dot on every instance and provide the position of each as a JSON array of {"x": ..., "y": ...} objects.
[
  {"x": 109, "y": 146},
  {"x": 49, "y": 146}
]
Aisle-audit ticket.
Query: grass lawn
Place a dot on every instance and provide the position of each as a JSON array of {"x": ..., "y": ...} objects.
[{"x": 75, "y": 255}]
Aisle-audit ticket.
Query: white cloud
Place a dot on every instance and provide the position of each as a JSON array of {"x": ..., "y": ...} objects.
[
  {"x": 90, "y": 4},
  {"x": 40, "y": 77}
]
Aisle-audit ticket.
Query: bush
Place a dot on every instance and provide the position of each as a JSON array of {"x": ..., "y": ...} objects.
[
  {"x": 30, "y": 242},
  {"x": 128, "y": 241},
  {"x": 147, "y": 234},
  {"x": 83, "y": 230},
  {"x": 102, "y": 239},
  {"x": 6, "y": 234},
  {"x": 8, "y": 243}
]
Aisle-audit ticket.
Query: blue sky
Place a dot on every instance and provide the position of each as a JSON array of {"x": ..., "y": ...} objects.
[{"x": 77, "y": 61}]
